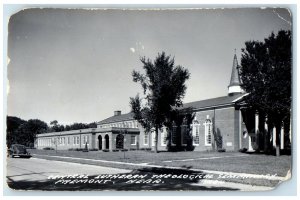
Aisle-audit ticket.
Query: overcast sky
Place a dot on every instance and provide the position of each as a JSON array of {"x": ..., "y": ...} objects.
[{"x": 75, "y": 65}]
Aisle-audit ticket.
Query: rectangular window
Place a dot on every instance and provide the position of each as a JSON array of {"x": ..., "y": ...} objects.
[
  {"x": 133, "y": 140},
  {"x": 146, "y": 138},
  {"x": 68, "y": 140},
  {"x": 77, "y": 140}
]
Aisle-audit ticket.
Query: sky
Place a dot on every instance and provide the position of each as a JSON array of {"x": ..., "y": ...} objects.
[{"x": 75, "y": 65}]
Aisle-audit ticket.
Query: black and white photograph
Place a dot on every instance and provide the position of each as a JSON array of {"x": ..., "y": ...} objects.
[{"x": 150, "y": 99}]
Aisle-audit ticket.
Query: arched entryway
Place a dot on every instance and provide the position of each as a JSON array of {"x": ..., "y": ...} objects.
[
  {"x": 100, "y": 142},
  {"x": 120, "y": 141},
  {"x": 106, "y": 141}
]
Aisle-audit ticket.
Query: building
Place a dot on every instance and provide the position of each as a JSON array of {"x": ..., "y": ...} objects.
[{"x": 218, "y": 123}]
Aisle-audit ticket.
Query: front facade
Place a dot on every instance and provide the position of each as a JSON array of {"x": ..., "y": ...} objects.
[{"x": 218, "y": 124}]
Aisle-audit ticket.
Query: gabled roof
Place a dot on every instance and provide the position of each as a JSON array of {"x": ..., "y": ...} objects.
[{"x": 214, "y": 102}]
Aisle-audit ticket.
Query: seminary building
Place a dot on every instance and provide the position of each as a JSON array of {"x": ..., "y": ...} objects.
[{"x": 218, "y": 123}]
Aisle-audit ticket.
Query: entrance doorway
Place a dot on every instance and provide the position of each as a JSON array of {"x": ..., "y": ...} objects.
[
  {"x": 100, "y": 142},
  {"x": 106, "y": 141}
]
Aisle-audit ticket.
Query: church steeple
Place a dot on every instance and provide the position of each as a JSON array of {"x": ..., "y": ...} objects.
[{"x": 235, "y": 81}]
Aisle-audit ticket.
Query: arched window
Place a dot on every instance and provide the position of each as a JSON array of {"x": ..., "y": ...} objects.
[
  {"x": 208, "y": 131},
  {"x": 196, "y": 132}
]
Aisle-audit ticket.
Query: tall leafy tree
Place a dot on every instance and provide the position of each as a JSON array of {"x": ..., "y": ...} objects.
[
  {"x": 163, "y": 87},
  {"x": 266, "y": 75},
  {"x": 12, "y": 126},
  {"x": 23, "y": 132},
  {"x": 29, "y": 130}
]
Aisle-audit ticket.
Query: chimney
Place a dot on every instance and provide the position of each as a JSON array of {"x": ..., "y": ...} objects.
[{"x": 117, "y": 112}]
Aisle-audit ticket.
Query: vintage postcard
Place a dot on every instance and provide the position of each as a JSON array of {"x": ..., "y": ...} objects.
[{"x": 149, "y": 99}]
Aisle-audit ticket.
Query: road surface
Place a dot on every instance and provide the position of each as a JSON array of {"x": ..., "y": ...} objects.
[{"x": 35, "y": 169}]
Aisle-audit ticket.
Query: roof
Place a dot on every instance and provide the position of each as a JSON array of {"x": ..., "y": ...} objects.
[
  {"x": 235, "y": 78},
  {"x": 88, "y": 131},
  {"x": 214, "y": 102},
  {"x": 118, "y": 118}
]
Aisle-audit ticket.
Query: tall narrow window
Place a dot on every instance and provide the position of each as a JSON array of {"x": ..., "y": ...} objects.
[
  {"x": 77, "y": 140},
  {"x": 208, "y": 131},
  {"x": 146, "y": 138},
  {"x": 153, "y": 138},
  {"x": 196, "y": 131},
  {"x": 184, "y": 133},
  {"x": 173, "y": 133},
  {"x": 164, "y": 137}
]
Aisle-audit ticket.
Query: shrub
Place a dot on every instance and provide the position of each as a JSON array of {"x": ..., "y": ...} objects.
[
  {"x": 48, "y": 148},
  {"x": 243, "y": 150},
  {"x": 221, "y": 150},
  {"x": 145, "y": 149}
]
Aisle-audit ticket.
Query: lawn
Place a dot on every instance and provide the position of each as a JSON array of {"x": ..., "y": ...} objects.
[{"x": 226, "y": 161}]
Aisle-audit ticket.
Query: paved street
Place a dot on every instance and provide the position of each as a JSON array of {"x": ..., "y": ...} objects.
[
  {"x": 33, "y": 173},
  {"x": 35, "y": 169}
]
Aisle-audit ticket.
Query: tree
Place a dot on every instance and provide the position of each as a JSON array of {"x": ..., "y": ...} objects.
[
  {"x": 56, "y": 127},
  {"x": 30, "y": 129},
  {"x": 12, "y": 126},
  {"x": 163, "y": 87},
  {"x": 266, "y": 76}
]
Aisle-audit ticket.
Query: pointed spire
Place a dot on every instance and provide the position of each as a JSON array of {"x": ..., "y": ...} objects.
[{"x": 235, "y": 81}]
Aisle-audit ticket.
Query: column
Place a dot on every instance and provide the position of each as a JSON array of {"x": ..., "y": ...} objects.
[
  {"x": 240, "y": 129},
  {"x": 256, "y": 122},
  {"x": 274, "y": 137},
  {"x": 250, "y": 144},
  {"x": 282, "y": 138}
]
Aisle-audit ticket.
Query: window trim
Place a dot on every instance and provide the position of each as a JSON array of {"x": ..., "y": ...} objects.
[
  {"x": 135, "y": 142},
  {"x": 146, "y": 135},
  {"x": 206, "y": 124},
  {"x": 195, "y": 128}
]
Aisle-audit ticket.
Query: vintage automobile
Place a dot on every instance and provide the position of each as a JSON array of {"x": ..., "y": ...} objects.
[{"x": 18, "y": 150}]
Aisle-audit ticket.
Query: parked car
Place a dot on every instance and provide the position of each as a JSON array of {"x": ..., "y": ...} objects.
[{"x": 18, "y": 150}]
